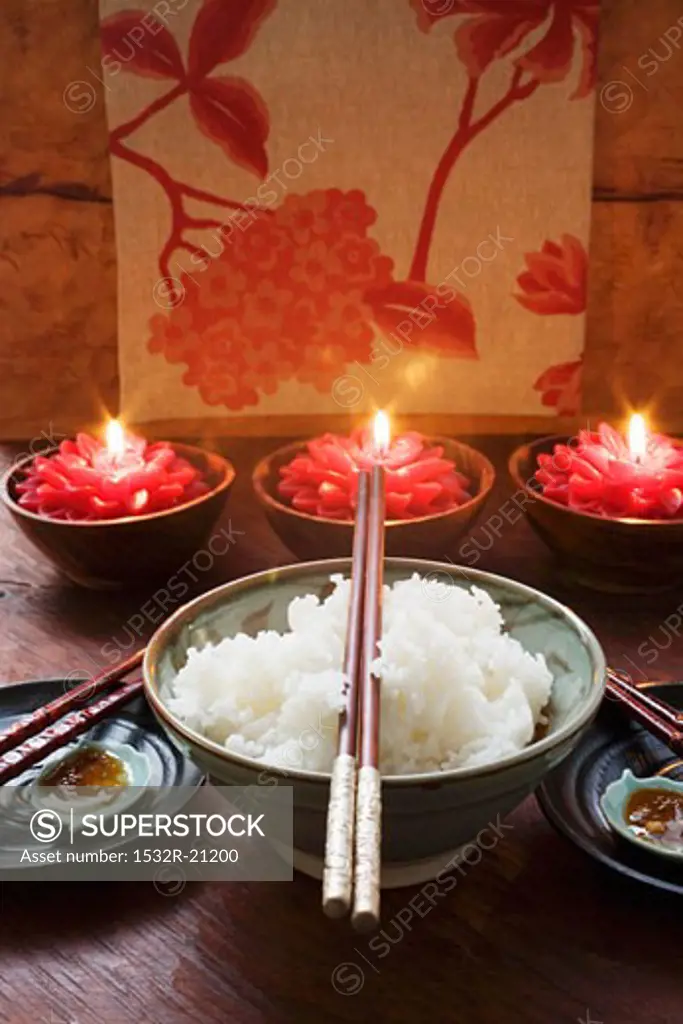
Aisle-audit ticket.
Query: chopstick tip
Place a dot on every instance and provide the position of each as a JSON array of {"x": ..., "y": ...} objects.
[
  {"x": 335, "y": 907},
  {"x": 364, "y": 920}
]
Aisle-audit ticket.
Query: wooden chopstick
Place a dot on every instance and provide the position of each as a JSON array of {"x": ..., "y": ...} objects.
[
  {"x": 57, "y": 734},
  {"x": 44, "y": 716},
  {"x": 368, "y": 832},
  {"x": 654, "y": 715},
  {"x": 666, "y": 711},
  {"x": 338, "y": 870}
]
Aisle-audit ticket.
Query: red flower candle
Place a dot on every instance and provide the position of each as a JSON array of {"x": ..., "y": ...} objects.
[
  {"x": 88, "y": 480},
  {"x": 323, "y": 480},
  {"x": 608, "y": 476}
]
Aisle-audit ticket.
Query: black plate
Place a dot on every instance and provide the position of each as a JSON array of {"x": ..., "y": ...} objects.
[
  {"x": 135, "y": 725},
  {"x": 570, "y": 796}
]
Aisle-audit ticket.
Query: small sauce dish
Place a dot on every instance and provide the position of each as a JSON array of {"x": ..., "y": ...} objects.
[
  {"x": 91, "y": 777},
  {"x": 647, "y": 812}
]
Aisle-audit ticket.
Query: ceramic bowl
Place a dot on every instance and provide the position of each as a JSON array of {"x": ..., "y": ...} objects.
[
  {"x": 427, "y": 817},
  {"x": 135, "y": 550},
  {"x": 613, "y": 803},
  {"x": 614, "y": 555},
  {"x": 309, "y": 536}
]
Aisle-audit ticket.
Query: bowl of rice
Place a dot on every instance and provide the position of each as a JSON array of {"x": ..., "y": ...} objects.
[{"x": 486, "y": 686}]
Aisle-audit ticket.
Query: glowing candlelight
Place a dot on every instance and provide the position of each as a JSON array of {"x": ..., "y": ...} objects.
[
  {"x": 382, "y": 432},
  {"x": 115, "y": 438},
  {"x": 637, "y": 437},
  {"x": 322, "y": 479},
  {"x": 604, "y": 473},
  {"x": 87, "y": 479}
]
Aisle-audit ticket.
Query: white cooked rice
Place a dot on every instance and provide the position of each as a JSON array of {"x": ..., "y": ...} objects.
[{"x": 456, "y": 690}]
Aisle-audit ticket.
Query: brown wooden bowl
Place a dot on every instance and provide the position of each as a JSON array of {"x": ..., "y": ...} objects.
[
  {"x": 135, "y": 550},
  {"x": 613, "y": 555},
  {"x": 311, "y": 537}
]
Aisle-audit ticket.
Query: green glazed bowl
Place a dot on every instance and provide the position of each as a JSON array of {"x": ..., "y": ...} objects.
[{"x": 428, "y": 817}]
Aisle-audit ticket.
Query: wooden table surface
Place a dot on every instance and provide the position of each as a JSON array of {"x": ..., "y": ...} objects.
[{"x": 536, "y": 933}]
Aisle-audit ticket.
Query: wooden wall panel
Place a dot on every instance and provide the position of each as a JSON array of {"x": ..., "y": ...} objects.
[
  {"x": 635, "y": 318},
  {"x": 57, "y": 254}
]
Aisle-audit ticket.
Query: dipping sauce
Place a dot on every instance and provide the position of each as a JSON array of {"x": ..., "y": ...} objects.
[
  {"x": 87, "y": 766},
  {"x": 655, "y": 814}
]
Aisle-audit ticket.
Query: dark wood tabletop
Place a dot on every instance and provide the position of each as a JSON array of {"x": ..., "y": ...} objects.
[{"x": 536, "y": 933}]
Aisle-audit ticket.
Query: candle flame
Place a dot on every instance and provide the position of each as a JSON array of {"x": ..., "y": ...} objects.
[
  {"x": 115, "y": 437},
  {"x": 637, "y": 436},
  {"x": 382, "y": 431}
]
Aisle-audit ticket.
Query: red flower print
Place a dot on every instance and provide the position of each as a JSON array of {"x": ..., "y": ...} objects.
[
  {"x": 300, "y": 318},
  {"x": 556, "y": 280},
  {"x": 351, "y": 318},
  {"x": 260, "y": 244},
  {"x": 217, "y": 367},
  {"x": 263, "y": 308},
  {"x": 297, "y": 291},
  {"x": 561, "y": 387},
  {"x": 305, "y": 218},
  {"x": 221, "y": 289},
  {"x": 313, "y": 265},
  {"x": 173, "y": 334},
  {"x": 499, "y": 28},
  {"x": 293, "y": 283},
  {"x": 551, "y": 59},
  {"x": 350, "y": 212},
  {"x": 358, "y": 257},
  {"x": 263, "y": 358},
  {"x": 331, "y": 214}
]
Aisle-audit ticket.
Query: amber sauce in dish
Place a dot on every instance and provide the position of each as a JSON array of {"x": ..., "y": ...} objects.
[
  {"x": 655, "y": 814},
  {"x": 87, "y": 766}
]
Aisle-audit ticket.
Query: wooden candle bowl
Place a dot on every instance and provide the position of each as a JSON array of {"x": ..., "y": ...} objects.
[
  {"x": 132, "y": 551},
  {"x": 613, "y": 555},
  {"x": 311, "y": 537}
]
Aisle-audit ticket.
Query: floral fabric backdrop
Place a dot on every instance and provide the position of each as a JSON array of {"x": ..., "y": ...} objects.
[{"x": 325, "y": 205}]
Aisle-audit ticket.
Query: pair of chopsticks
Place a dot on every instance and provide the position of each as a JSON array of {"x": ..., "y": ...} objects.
[
  {"x": 52, "y": 725},
  {"x": 655, "y": 715},
  {"x": 354, "y": 816}
]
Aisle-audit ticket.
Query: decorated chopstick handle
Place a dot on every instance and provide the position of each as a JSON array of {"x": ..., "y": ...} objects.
[
  {"x": 14, "y": 762},
  {"x": 49, "y": 713},
  {"x": 368, "y": 849},
  {"x": 338, "y": 871}
]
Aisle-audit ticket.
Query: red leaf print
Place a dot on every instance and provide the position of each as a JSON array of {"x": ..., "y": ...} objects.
[
  {"x": 441, "y": 321},
  {"x": 140, "y": 43},
  {"x": 231, "y": 113},
  {"x": 223, "y": 30}
]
